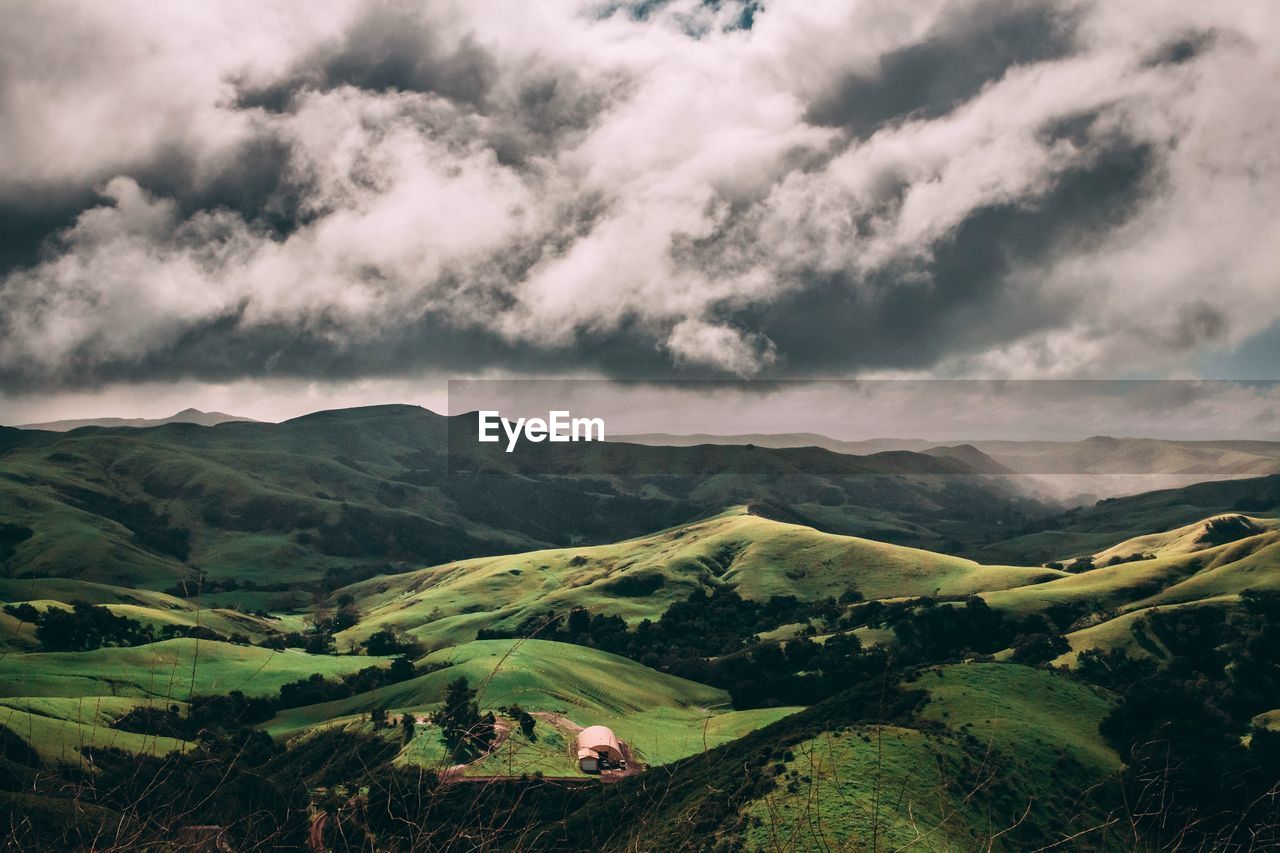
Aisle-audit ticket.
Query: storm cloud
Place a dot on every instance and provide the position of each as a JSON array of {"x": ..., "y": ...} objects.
[{"x": 342, "y": 191}]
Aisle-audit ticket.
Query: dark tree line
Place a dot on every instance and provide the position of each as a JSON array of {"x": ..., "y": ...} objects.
[
  {"x": 1199, "y": 772},
  {"x": 929, "y": 631},
  {"x": 216, "y": 716},
  {"x": 713, "y": 637},
  {"x": 86, "y": 627}
]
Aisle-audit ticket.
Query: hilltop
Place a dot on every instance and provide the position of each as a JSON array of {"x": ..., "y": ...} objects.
[
  {"x": 335, "y": 496},
  {"x": 186, "y": 416},
  {"x": 640, "y": 578}
]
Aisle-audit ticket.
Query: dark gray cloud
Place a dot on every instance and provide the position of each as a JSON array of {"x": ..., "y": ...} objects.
[
  {"x": 344, "y": 191},
  {"x": 971, "y": 46},
  {"x": 393, "y": 46},
  {"x": 974, "y": 290}
]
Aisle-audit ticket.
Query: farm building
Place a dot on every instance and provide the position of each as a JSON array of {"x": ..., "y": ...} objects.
[{"x": 598, "y": 749}]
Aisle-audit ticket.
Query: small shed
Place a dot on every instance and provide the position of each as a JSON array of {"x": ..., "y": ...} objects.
[{"x": 598, "y": 749}]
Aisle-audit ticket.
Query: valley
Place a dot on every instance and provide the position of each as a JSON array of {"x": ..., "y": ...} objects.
[{"x": 371, "y": 631}]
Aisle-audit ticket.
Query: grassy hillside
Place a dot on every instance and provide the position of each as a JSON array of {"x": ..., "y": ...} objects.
[
  {"x": 170, "y": 670},
  {"x": 59, "y": 728},
  {"x": 1180, "y": 572},
  {"x": 145, "y": 606},
  {"x": 1202, "y": 534},
  {"x": 62, "y": 703},
  {"x": 960, "y": 764},
  {"x": 1205, "y": 564},
  {"x": 354, "y": 492},
  {"x": 663, "y": 717},
  {"x": 1088, "y": 530},
  {"x": 899, "y": 783},
  {"x": 640, "y": 578}
]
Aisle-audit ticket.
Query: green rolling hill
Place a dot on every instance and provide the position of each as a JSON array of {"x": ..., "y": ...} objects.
[
  {"x": 639, "y": 578},
  {"x": 918, "y": 740},
  {"x": 171, "y": 670},
  {"x": 354, "y": 492},
  {"x": 663, "y": 717},
  {"x": 1089, "y": 530},
  {"x": 957, "y": 763}
]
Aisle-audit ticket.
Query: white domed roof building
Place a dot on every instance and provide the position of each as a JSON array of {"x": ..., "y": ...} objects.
[{"x": 598, "y": 749}]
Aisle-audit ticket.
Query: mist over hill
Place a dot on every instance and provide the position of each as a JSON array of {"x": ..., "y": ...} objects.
[{"x": 1071, "y": 472}]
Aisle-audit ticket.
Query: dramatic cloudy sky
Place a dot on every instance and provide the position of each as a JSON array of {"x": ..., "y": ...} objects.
[{"x": 274, "y": 207}]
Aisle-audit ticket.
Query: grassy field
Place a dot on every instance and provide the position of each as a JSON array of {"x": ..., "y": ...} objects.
[
  {"x": 61, "y": 702},
  {"x": 850, "y": 786},
  {"x": 663, "y": 717},
  {"x": 58, "y": 728},
  {"x": 1042, "y": 713},
  {"x": 640, "y": 578},
  {"x": 170, "y": 670},
  {"x": 538, "y": 675},
  {"x": 552, "y": 752},
  {"x": 146, "y": 606},
  {"x": 951, "y": 788}
]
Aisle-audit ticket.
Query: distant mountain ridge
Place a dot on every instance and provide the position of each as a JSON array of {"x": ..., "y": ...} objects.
[
  {"x": 186, "y": 416},
  {"x": 1075, "y": 471},
  {"x": 347, "y": 493}
]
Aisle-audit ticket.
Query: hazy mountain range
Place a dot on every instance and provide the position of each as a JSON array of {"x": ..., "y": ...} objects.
[
  {"x": 1072, "y": 471},
  {"x": 186, "y": 416}
]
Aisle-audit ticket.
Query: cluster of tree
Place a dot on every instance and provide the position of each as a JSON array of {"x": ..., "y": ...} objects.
[
  {"x": 466, "y": 731},
  {"x": 929, "y": 631},
  {"x": 1197, "y": 768},
  {"x": 381, "y": 720},
  {"x": 318, "y": 638},
  {"x": 719, "y": 622},
  {"x": 86, "y": 627},
  {"x": 528, "y": 725},
  {"x": 206, "y": 718},
  {"x": 797, "y": 672},
  {"x": 1087, "y": 564},
  {"x": 150, "y": 529},
  {"x": 206, "y": 586},
  {"x": 217, "y": 716},
  {"x": 312, "y": 642},
  {"x": 317, "y": 688},
  {"x": 389, "y": 641},
  {"x": 12, "y": 535},
  {"x": 714, "y": 638}
]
